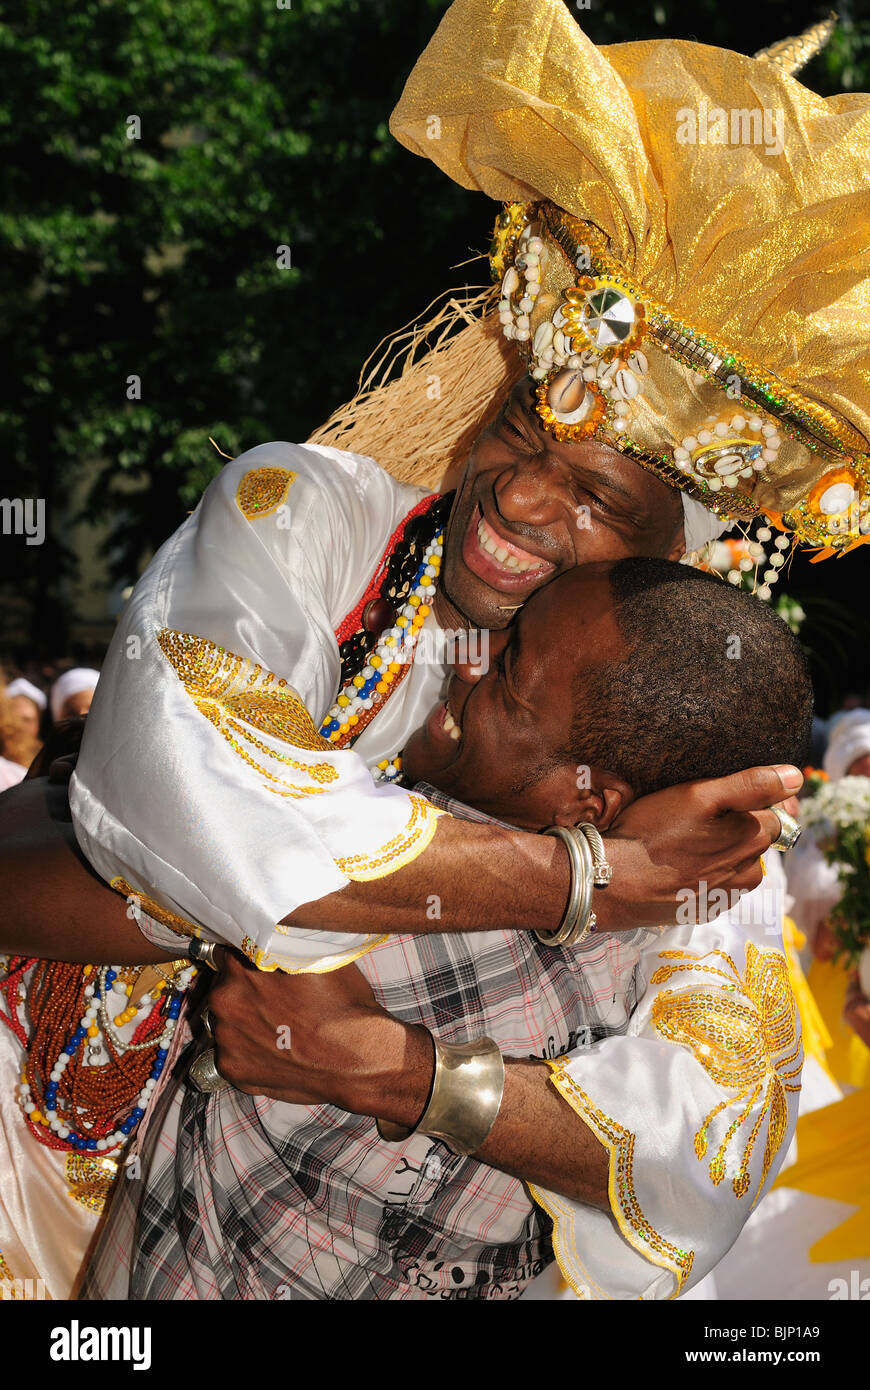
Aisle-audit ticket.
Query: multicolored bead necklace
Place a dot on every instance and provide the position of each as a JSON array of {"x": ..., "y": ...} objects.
[
  {"x": 404, "y": 600},
  {"x": 72, "y": 1095}
]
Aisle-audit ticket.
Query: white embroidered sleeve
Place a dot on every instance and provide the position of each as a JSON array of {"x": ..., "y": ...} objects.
[
  {"x": 696, "y": 1105},
  {"x": 203, "y": 785}
]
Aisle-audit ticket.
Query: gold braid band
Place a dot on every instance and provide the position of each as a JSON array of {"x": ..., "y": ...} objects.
[{"x": 814, "y": 425}]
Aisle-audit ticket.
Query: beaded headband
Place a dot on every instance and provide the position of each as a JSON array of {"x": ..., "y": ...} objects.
[
  {"x": 595, "y": 341},
  {"x": 682, "y": 252}
]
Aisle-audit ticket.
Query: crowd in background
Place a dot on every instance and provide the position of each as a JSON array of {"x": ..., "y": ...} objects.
[{"x": 31, "y": 706}]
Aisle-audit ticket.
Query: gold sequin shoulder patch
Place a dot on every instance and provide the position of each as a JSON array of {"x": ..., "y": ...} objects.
[
  {"x": 262, "y": 491},
  {"x": 242, "y": 701},
  {"x": 744, "y": 1034}
]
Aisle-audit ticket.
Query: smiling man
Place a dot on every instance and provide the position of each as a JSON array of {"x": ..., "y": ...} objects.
[
  {"x": 531, "y": 506},
  {"x": 266, "y": 660},
  {"x": 243, "y": 1197}
]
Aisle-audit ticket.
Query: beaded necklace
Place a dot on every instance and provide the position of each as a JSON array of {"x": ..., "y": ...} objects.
[
  {"x": 84, "y": 1089},
  {"x": 377, "y": 640}
]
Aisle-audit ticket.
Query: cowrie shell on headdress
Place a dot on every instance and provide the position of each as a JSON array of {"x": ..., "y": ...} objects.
[
  {"x": 606, "y": 372},
  {"x": 625, "y": 384},
  {"x": 511, "y": 281},
  {"x": 543, "y": 336},
  {"x": 728, "y": 463},
  {"x": 638, "y": 362},
  {"x": 837, "y": 498},
  {"x": 567, "y": 394}
]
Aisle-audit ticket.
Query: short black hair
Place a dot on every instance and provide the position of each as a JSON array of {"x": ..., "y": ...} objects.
[{"x": 715, "y": 681}]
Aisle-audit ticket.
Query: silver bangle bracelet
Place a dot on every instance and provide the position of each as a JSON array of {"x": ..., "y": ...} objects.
[
  {"x": 603, "y": 873},
  {"x": 465, "y": 1098},
  {"x": 579, "y": 919}
]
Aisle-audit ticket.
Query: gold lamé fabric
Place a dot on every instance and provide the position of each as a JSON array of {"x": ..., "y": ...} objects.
[{"x": 765, "y": 249}]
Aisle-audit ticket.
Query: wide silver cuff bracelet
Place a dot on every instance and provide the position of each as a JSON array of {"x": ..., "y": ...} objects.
[{"x": 465, "y": 1098}]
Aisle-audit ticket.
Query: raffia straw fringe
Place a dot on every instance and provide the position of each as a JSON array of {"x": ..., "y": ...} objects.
[{"x": 428, "y": 390}]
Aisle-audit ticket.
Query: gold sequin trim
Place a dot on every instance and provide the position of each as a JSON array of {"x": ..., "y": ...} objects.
[
  {"x": 400, "y": 850},
  {"x": 565, "y": 1240},
  {"x": 240, "y": 700},
  {"x": 153, "y": 909},
  {"x": 90, "y": 1179},
  {"x": 744, "y": 1034},
  {"x": 624, "y": 1203},
  {"x": 267, "y": 963},
  {"x": 263, "y": 490}
]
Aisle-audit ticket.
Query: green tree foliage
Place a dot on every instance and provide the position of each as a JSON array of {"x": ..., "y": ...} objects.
[
  {"x": 157, "y": 257},
  {"x": 157, "y": 154}
]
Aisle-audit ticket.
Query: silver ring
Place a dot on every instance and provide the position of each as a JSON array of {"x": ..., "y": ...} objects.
[
  {"x": 203, "y": 952},
  {"x": 790, "y": 831},
  {"x": 204, "y": 1075},
  {"x": 205, "y": 1020}
]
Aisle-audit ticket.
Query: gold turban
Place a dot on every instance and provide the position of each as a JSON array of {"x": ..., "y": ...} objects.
[{"x": 684, "y": 252}]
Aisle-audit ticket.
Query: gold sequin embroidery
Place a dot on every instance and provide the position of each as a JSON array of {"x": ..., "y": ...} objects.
[
  {"x": 744, "y": 1034},
  {"x": 153, "y": 909},
  {"x": 240, "y": 700},
  {"x": 267, "y": 963},
  {"x": 90, "y": 1179},
  {"x": 624, "y": 1202},
  {"x": 262, "y": 491},
  {"x": 400, "y": 850}
]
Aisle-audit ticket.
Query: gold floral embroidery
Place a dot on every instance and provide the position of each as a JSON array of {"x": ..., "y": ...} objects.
[
  {"x": 263, "y": 490},
  {"x": 624, "y": 1202},
  {"x": 400, "y": 850},
  {"x": 153, "y": 909},
  {"x": 233, "y": 692},
  {"x": 744, "y": 1034}
]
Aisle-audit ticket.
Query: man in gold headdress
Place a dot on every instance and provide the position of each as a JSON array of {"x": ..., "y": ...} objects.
[{"x": 228, "y": 801}]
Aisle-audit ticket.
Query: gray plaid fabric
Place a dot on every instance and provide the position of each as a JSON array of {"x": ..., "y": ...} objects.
[{"x": 248, "y": 1198}]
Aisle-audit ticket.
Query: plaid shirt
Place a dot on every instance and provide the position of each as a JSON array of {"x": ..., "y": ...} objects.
[{"x": 250, "y": 1198}]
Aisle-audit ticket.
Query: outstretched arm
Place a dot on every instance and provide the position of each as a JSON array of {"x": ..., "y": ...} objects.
[
  {"x": 53, "y": 905},
  {"x": 483, "y": 877},
  {"x": 487, "y": 877}
]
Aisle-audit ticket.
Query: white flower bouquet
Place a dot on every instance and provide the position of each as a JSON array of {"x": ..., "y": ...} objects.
[{"x": 840, "y": 811}]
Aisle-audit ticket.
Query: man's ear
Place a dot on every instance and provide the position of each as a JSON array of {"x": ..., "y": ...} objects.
[
  {"x": 590, "y": 794},
  {"x": 678, "y": 549}
]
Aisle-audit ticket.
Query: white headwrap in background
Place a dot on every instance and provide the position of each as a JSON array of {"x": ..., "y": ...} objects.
[
  {"x": 848, "y": 739},
  {"x": 71, "y": 683},
  {"x": 20, "y": 686}
]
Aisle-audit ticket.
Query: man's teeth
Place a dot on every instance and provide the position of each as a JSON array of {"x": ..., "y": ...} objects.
[
  {"x": 451, "y": 727},
  {"x": 490, "y": 544}
]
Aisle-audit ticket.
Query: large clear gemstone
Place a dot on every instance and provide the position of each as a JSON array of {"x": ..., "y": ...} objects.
[{"x": 608, "y": 317}]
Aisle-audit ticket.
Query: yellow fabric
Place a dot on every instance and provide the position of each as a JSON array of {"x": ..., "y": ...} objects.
[
  {"x": 833, "y": 1144},
  {"x": 765, "y": 249},
  {"x": 816, "y": 1038},
  {"x": 848, "y": 1058}
]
